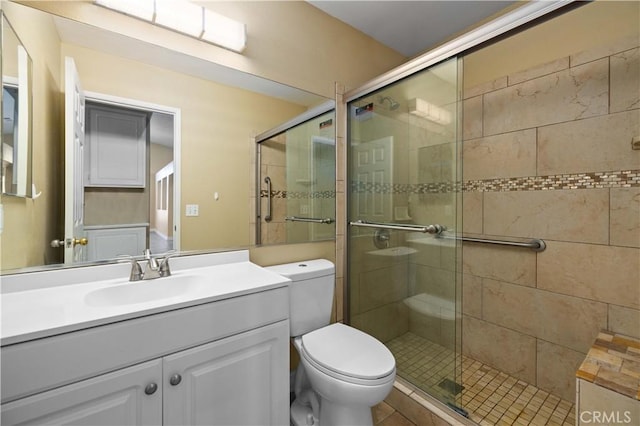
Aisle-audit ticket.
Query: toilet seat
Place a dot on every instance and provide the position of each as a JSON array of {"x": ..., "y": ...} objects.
[{"x": 348, "y": 354}]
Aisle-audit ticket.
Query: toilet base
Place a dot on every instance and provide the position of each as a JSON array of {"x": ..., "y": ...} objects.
[
  {"x": 333, "y": 414},
  {"x": 302, "y": 415}
]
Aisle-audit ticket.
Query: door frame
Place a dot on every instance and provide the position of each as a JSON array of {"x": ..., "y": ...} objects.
[{"x": 105, "y": 99}]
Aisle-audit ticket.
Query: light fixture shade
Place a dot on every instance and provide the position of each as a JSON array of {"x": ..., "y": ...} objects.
[
  {"x": 429, "y": 111},
  {"x": 180, "y": 15},
  {"x": 142, "y": 9},
  {"x": 224, "y": 31}
]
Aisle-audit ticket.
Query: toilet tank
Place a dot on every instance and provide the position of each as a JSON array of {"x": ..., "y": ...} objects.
[{"x": 310, "y": 293}]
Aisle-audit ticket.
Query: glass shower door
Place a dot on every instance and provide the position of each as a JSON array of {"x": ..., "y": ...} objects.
[{"x": 404, "y": 189}]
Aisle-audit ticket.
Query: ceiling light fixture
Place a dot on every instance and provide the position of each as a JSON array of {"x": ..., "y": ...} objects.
[{"x": 186, "y": 18}]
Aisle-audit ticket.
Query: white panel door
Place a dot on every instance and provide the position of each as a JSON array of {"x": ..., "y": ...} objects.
[
  {"x": 109, "y": 243},
  {"x": 119, "y": 398},
  {"x": 74, "y": 110},
  {"x": 240, "y": 380},
  {"x": 373, "y": 176}
]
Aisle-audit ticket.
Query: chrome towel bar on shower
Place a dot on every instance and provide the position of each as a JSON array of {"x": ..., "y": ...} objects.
[
  {"x": 427, "y": 229},
  {"x": 309, "y": 219},
  {"x": 534, "y": 244},
  {"x": 267, "y": 217}
]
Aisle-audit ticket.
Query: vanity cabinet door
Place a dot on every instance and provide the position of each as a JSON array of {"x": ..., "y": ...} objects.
[
  {"x": 239, "y": 380},
  {"x": 131, "y": 396}
]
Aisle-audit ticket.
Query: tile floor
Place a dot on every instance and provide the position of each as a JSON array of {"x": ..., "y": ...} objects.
[{"x": 490, "y": 397}]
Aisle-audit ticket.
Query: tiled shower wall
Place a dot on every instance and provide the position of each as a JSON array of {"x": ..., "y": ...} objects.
[{"x": 547, "y": 154}]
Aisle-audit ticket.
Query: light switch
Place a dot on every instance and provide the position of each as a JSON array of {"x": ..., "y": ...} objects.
[{"x": 191, "y": 210}]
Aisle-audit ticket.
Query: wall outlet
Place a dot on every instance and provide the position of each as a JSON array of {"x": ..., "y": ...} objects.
[
  {"x": 304, "y": 209},
  {"x": 191, "y": 210}
]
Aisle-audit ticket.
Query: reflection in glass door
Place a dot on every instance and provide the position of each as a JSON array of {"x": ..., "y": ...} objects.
[{"x": 404, "y": 190}]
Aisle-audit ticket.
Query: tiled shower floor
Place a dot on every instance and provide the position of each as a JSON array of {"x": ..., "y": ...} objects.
[{"x": 491, "y": 397}]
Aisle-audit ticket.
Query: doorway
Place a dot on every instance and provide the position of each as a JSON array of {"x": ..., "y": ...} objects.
[{"x": 127, "y": 219}]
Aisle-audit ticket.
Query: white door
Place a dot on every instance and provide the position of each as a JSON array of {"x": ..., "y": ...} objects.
[
  {"x": 74, "y": 106},
  {"x": 373, "y": 175},
  {"x": 124, "y": 397},
  {"x": 240, "y": 380}
]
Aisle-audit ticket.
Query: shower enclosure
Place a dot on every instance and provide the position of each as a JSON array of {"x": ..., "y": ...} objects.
[
  {"x": 548, "y": 221},
  {"x": 404, "y": 214},
  {"x": 295, "y": 188}
]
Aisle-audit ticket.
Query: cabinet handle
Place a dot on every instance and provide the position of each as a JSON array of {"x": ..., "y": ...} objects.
[
  {"x": 151, "y": 388},
  {"x": 175, "y": 379}
]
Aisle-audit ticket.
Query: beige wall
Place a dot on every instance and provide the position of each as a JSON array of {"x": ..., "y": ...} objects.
[
  {"x": 29, "y": 225},
  {"x": 561, "y": 131},
  {"x": 218, "y": 123},
  {"x": 296, "y": 46},
  {"x": 290, "y": 42}
]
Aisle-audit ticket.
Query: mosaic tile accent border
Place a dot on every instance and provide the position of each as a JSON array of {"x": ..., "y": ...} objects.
[
  {"x": 614, "y": 179},
  {"x": 617, "y": 179},
  {"x": 298, "y": 195}
]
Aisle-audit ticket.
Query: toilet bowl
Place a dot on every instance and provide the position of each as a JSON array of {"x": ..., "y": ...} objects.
[{"x": 343, "y": 371}]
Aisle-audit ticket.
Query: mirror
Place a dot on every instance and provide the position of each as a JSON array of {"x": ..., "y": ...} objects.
[
  {"x": 16, "y": 114},
  {"x": 297, "y": 180},
  {"x": 217, "y": 111}
]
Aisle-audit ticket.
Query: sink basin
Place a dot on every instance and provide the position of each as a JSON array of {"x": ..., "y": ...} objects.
[{"x": 144, "y": 291}]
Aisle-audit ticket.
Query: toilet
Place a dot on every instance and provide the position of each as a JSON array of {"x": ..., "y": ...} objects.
[{"x": 343, "y": 372}]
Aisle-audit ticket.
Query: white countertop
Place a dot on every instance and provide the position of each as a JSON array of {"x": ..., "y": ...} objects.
[{"x": 47, "y": 311}]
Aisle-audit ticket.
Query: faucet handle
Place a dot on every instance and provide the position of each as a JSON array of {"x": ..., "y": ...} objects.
[
  {"x": 136, "y": 270},
  {"x": 165, "y": 271}
]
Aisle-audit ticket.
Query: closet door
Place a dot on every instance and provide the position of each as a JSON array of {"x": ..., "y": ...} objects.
[{"x": 116, "y": 147}]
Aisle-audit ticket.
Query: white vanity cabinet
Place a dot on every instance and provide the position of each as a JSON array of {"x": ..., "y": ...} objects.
[
  {"x": 116, "y": 398},
  {"x": 219, "y": 363}
]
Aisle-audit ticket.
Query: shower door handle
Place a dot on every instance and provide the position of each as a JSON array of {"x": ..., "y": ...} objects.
[
  {"x": 267, "y": 217},
  {"x": 426, "y": 229}
]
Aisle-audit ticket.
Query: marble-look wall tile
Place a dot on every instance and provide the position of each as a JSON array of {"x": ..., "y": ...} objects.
[
  {"x": 507, "y": 350},
  {"x": 472, "y": 205},
  {"x": 435, "y": 281},
  {"x": 624, "y": 321},
  {"x": 603, "y": 273},
  {"x": 625, "y": 217},
  {"x": 538, "y": 314},
  {"x": 625, "y": 80},
  {"x": 507, "y": 155},
  {"x": 472, "y": 296},
  {"x": 567, "y": 95},
  {"x": 603, "y": 51},
  {"x": 384, "y": 323},
  {"x": 499, "y": 263},
  {"x": 568, "y": 215},
  {"x": 487, "y": 87},
  {"x": 598, "y": 144},
  {"x": 472, "y": 118},
  {"x": 539, "y": 71},
  {"x": 556, "y": 368},
  {"x": 383, "y": 286}
]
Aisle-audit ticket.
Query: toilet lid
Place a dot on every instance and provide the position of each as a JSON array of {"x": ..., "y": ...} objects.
[{"x": 349, "y": 352}]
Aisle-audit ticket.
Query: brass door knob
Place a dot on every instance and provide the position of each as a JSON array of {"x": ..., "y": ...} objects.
[{"x": 81, "y": 241}]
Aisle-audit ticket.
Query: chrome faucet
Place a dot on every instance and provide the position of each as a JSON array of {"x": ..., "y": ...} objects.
[{"x": 153, "y": 268}]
